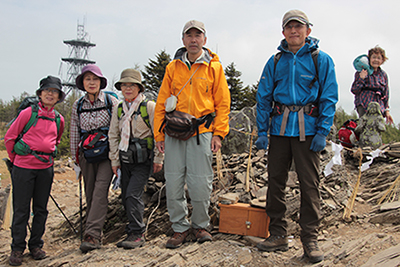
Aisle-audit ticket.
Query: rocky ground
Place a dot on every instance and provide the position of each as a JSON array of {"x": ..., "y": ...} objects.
[{"x": 369, "y": 237}]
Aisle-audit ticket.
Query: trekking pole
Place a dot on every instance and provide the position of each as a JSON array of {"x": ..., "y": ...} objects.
[
  {"x": 80, "y": 202},
  {"x": 55, "y": 202}
]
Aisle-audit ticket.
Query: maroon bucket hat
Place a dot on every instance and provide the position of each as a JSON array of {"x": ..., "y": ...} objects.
[{"x": 96, "y": 71}]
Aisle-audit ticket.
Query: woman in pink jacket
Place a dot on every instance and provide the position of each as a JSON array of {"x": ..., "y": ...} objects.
[{"x": 32, "y": 171}]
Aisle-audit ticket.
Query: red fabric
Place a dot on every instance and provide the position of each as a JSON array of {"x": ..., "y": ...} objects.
[
  {"x": 345, "y": 133},
  {"x": 88, "y": 140}
]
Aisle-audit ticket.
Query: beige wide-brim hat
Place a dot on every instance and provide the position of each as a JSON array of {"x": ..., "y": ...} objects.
[{"x": 130, "y": 76}]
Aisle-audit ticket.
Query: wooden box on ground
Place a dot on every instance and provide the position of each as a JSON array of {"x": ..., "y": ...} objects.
[{"x": 242, "y": 219}]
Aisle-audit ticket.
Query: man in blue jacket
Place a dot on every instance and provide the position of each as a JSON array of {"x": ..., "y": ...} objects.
[{"x": 298, "y": 92}]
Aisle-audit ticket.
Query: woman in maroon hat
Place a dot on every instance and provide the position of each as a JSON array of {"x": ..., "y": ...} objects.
[
  {"x": 31, "y": 147},
  {"x": 90, "y": 121}
]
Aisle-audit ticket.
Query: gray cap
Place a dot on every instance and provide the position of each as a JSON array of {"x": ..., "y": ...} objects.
[
  {"x": 296, "y": 15},
  {"x": 194, "y": 24}
]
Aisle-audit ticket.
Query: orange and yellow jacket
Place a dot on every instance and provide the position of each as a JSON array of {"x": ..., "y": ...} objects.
[{"x": 205, "y": 92}]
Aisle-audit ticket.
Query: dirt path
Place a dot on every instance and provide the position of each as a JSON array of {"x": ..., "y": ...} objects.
[{"x": 344, "y": 244}]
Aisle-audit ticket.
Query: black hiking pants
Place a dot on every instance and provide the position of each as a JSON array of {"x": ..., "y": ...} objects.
[
  {"x": 133, "y": 179},
  {"x": 27, "y": 185},
  {"x": 281, "y": 152}
]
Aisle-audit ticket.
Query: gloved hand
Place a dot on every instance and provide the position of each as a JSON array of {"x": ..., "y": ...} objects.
[
  {"x": 318, "y": 143},
  {"x": 262, "y": 142}
]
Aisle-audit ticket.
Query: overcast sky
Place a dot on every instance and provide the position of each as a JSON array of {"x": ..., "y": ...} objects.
[{"x": 246, "y": 32}]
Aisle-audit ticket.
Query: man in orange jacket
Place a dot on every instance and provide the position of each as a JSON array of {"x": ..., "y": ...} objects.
[{"x": 196, "y": 78}]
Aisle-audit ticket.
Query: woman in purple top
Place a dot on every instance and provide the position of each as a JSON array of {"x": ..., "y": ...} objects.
[{"x": 372, "y": 88}]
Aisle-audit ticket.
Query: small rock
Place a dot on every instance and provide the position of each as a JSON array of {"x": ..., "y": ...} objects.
[{"x": 381, "y": 235}]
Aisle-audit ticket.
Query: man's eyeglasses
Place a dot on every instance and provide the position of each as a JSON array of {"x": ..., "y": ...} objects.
[
  {"x": 52, "y": 90},
  {"x": 296, "y": 26}
]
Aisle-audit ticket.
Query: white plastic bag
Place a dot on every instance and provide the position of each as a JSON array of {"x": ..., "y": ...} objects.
[{"x": 170, "y": 103}]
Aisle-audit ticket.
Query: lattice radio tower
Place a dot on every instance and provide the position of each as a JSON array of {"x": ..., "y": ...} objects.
[{"x": 78, "y": 57}]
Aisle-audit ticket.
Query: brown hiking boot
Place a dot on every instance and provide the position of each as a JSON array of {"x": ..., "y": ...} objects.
[
  {"x": 89, "y": 243},
  {"x": 15, "y": 258},
  {"x": 312, "y": 251},
  {"x": 274, "y": 243},
  {"x": 202, "y": 235},
  {"x": 132, "y": 241},
  {"x": 38, "y": 254},
  {"x": 177, "y": 239}
]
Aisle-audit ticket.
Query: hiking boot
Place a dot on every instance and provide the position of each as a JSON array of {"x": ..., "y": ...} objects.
[
  {"x": 202, "y": 235},
  {"x": 15, "y": 258},
  {"x": 132, "y": 241},
  {"x": 312, "y": 252},
  {"x": 89, "y": 243},
  {"x": 38, "y": 254},
  {"x": 274, "y": 243},
  {"x": 177, "y": 239},
  {"x": 119, "y": 244}
]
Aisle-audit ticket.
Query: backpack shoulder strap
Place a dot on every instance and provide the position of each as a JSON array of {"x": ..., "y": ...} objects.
[
  {"x": 108, "y": 101},
  {"x": 58, "y": 121},
  {"x": 277, "y": 56},
  {"x": 142, "y": 110},
  {"x": 120, "y": 110},
  {"x": 79, "y": 106},
  {"x": 33, "y": 119},
  {"x": 146, "y": 118},
  {"x": 314, "y": 55},
  {"x": 144, "y": 113},
  {"x": 79, "y": 111}
]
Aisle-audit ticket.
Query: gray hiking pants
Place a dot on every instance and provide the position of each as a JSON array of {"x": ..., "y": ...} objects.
[{"x": 188, "y": 163}]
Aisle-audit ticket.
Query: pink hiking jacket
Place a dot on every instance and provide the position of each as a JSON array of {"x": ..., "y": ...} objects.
[{"x": 40, "y": 137}]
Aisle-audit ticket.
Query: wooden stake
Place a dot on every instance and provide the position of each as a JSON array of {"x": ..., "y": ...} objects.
[
  {"x": 350, "y": 203},
  {"x": 249, "y": 162}
]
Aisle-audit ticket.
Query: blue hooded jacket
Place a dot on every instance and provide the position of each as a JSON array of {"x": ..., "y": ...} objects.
[{"x": 293, "y": 75}]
